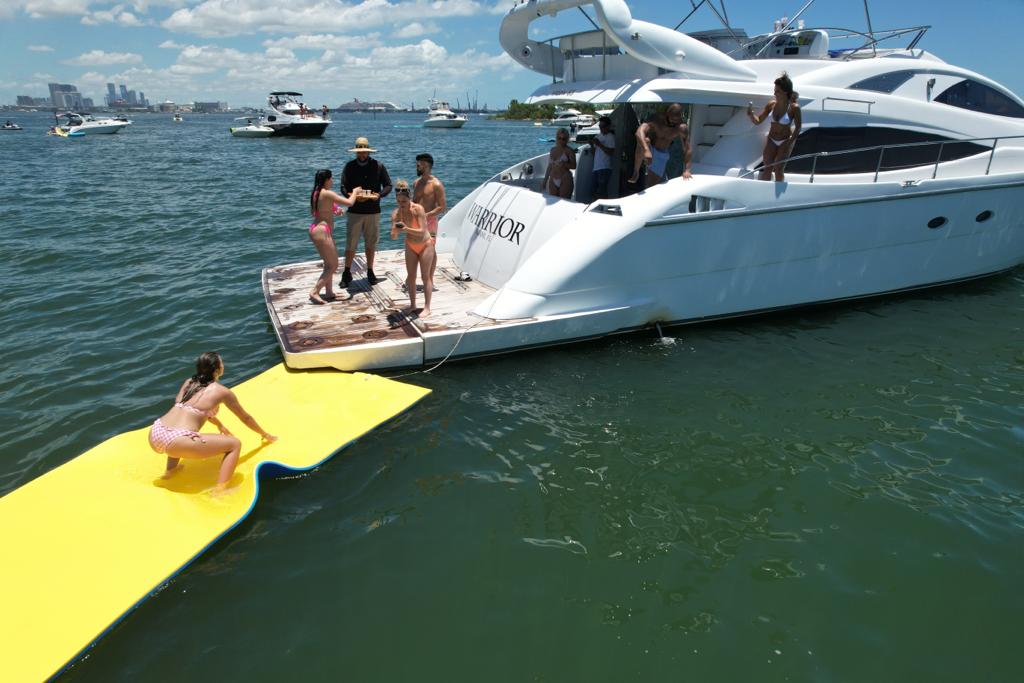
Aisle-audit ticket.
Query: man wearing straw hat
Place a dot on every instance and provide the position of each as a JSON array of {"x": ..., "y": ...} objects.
[{"x": 364, "y": 216}]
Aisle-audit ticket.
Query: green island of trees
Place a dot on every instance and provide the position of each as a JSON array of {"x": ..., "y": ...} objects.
[{"x": 518, "y": 111}]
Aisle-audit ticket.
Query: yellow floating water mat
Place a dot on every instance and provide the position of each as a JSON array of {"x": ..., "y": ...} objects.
[{"x": 84, "y": 544}]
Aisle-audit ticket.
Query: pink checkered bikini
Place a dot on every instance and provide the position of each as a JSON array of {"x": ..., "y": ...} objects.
[{"x": 160, "y": 435}]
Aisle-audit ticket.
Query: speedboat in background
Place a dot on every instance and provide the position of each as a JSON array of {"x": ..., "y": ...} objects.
[
  {"x": 259, "y": 129},
  {"x": 440, "y": 115},
  {"x": 77, "y": 125},
  {"x": 908, "y": 173},
  {"x": 177, "y": 118},
  {"x": 287, "y": 116},
  {"x": 10, "y": 125},
  {"x": 569, "y": 117}
]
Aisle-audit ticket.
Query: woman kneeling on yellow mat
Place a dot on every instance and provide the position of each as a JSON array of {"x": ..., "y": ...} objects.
[{"x": 176, "y": 433}]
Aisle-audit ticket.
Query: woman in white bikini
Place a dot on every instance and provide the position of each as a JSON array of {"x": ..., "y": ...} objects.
[
  {"x": 558, "y": 178},
  {"x": 176, "y": 432},
  {"x": 784, "y": 110}
]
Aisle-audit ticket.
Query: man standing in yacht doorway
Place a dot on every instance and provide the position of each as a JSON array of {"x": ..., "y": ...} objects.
[
  {"x": 661, "y": 129},
  {"x": 428, "y": 192},
  {"x": 364, "y": 216}
]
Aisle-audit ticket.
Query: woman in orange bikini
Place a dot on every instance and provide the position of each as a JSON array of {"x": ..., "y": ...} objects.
[
  {"x": 325, "y": 205},
  {"x": 176, "y": 432},
  {"x": 411, "y": 219},
  {"x": 784, "y": 110}
]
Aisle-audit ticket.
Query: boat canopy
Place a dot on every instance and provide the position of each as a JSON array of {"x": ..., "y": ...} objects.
[
  {"x": 290, "y": 94},
  {"x": 655, "y": 90}
]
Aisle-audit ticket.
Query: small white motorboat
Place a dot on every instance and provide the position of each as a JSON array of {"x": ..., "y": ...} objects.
[
  {"x": 252, "y": 130},
  {"x": 10, "y": 125},
  {"x": 441, "y": 116},
  {"x": 177, "y": 118},
  {"x": 77, "y": 125}
]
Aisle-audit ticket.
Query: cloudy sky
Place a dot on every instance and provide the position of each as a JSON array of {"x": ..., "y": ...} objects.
[{"x": 399, "y": 50}]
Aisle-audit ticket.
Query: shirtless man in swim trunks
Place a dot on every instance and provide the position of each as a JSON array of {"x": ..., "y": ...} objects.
[
  {"x": 428, "y": 192},
  {"x": 654, "y": 137}
]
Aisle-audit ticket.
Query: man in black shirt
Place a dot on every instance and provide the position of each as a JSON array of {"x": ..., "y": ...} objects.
[{"x": 364, "y": 216}]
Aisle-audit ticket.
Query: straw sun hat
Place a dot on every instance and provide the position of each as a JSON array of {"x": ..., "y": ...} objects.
[{"x": 362, "y": 145}]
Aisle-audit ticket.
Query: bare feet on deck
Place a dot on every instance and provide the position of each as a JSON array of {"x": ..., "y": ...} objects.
[
  {"x": 633, "y": 179},
  {"x": 424, "y": 312},
  {"x": 314, "y": 298}
]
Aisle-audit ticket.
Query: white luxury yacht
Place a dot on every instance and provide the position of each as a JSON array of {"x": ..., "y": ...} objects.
[
  {"x": 571, "y": 117},
  {"x": 77, "y": 125},
  {"x": 908, "y": 173},
  {"x": 440, "y": 115},
  {"x": 289, "y": 117}
]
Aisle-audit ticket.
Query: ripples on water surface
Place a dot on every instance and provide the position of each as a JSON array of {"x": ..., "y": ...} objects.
[{"x": 834, "y": 494}]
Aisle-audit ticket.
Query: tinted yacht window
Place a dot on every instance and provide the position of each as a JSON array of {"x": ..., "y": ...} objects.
[
  {"x": 979, "y": 97},
  {"x": 886, "y": 83},
  {"x": 814, "y": 140}
]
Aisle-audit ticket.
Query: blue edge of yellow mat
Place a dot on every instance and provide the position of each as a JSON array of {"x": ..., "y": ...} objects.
[{"x": 89, "y": 541}]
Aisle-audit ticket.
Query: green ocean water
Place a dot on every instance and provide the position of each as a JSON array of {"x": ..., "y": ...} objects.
[{"x": 834, "y": 494}]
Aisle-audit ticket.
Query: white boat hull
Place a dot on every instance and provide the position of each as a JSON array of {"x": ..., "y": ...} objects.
[
  {"x": 106, "y": 129},
  {"x": 607, "y": 279},
  {"x": 444, "y": 123},
  {"x": 252, "y": 132}
]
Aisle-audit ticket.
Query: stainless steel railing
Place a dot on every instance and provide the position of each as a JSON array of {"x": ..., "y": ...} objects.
[{"x": 881, "y": 149}]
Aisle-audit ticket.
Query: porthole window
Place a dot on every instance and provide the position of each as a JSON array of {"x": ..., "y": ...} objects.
[
  {"x": 937, "y": 222},
  {"x": 983, "y": 216}
]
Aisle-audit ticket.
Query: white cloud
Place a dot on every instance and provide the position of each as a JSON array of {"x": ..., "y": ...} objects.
[
  {"x": 413, "y": 70},
  {"x": 170, "y": 45},
  {"x": 101, "y": 58},
  {"x": 233, "y": 17},
  {"x": 114, "y": 15},
  {"x": 40, "y": 48},
  {"x": 43, "y": 9},
  {"x": 416, "y": 29},
  {"x": 325, "y": 41}
]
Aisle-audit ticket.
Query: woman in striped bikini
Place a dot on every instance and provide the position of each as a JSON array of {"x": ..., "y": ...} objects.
[{"x": 176, "y": 432}]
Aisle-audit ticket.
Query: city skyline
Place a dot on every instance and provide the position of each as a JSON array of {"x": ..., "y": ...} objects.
[{"x": 334, "y": 51}]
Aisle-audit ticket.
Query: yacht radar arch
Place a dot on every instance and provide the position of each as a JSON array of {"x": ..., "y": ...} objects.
[{"x": 649, "y": 43}]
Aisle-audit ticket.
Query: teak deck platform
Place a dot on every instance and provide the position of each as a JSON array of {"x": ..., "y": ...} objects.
[{"x": 368, "y": 327}]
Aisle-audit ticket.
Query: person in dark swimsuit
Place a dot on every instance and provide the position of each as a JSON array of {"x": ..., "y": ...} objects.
[
  {"x": 784, "y": 110},
  {"x": 176, "y": 432}
]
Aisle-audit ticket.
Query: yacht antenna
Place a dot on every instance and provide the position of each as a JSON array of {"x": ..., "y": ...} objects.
[
  {"x": 723, "y": 19},
  {"x": 592, "y": 21},
  {"x": 797, "y": 15},
  {"x": 867, "y": 12}
]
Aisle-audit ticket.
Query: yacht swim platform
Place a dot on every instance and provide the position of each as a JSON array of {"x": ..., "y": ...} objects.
[{"x": 368, "y": 327}]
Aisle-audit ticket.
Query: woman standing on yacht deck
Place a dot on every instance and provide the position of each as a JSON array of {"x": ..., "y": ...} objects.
[
  {"x": 784, "y": 110},
  {"x": 558, "y": 178},
  {"x": 325, "y": 205},
  {"x": 411, "y": 219}
]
